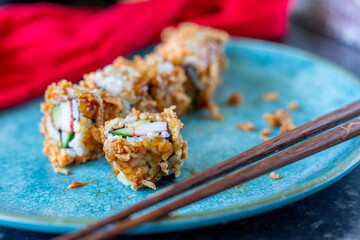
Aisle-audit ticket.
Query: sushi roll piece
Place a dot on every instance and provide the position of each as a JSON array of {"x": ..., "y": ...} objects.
[
  {"x": 149, "y": 84},
  {"x": 72, "y": 117},
  {"x": 145, "y": 149},
  {"x": 200, "y": 52},
  {"x": 123, "y": 79},
  {"x": 165, "y": 84}
]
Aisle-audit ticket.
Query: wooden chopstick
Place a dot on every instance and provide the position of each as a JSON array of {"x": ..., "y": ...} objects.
[
  {"x": 279, "y": 143},
  {"x": 300, "y": 151}
]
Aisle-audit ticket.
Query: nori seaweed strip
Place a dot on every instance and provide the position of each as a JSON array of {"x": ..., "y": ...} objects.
[
  {"x": 169, "y": 138},
  {"x": 165, "y": 179},
  {"x": 194, "y": 86}
]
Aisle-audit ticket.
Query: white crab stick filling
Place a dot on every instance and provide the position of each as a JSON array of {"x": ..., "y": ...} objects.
[
  {"x": 154, "y": 127},
  {"x": 76, "y": 145}
]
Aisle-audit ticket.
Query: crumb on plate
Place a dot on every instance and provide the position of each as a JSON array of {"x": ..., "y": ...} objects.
[
  {"x": 264, "y": 138},
  {"x": 287, "y": 126},
  {"x": 175, "y": 214},
  {"x": 270, "y": 97},
  {"x": 76, "y": 184},
  {"x": 62, "y": 170},
  {"x": 247, "y": 126},
  {"x": 235, "y": 99},
  {"x": 265, "y": 131},
  {"x": 275, "y": 176},
  {"x": 293, "y": 105},
  {"x": 214, "y": 110},
  {"x": 279, "y": 118}
]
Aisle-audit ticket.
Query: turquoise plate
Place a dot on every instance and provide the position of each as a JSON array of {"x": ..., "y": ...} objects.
[{"x": 34, "y": 197}]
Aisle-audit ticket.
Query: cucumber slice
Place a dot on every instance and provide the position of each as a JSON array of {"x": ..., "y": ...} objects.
[
  {"x": 125, "y": 132},
  {"x": 65, "y": 139},
  {"x": 56, "y": 116},
  {"x": 137, "y": 123}
]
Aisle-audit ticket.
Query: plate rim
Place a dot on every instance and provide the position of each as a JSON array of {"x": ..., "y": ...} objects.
[{"x": 52, "y": 224}]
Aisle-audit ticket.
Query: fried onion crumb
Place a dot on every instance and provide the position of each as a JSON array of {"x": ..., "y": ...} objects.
[
  {"x": 214, "y": 110},
  {"x": 264, "y": 138},
  {"x": 275, "y": 176},
  {"x": 270, "y": 97},
  {"x": 279, "y": 118},
  {"x": 76, "y": 184},
  {"x": 246, "y": 126},
  {"x": 235, "y": 99},
  {"x": 293, "y": 105},
  {"x": 175, "y": 214},
  {"x": 264, "y": 133}
]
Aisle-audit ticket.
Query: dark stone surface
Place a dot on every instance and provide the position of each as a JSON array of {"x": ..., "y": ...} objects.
[{"x": 332, "y": 213}]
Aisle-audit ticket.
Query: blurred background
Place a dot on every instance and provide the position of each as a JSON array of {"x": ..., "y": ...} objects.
[
  {"x": 65, "y": 39},
  {"x": 94, "y": 3},
  {"x": 340, "y": 21}
]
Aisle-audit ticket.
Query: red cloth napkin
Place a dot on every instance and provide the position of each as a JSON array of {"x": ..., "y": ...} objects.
[{"x": 44, "y": 43}]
